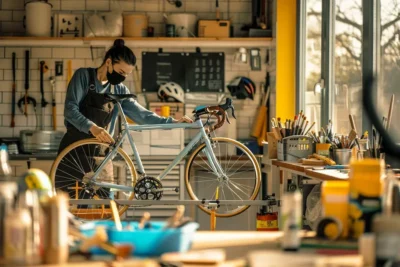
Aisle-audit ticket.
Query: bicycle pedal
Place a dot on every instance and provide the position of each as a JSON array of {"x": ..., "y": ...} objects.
[{"x": 164, "y": 189}]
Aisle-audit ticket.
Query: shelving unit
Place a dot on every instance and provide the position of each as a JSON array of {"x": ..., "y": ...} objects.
[{"x": 148, "y": 42}]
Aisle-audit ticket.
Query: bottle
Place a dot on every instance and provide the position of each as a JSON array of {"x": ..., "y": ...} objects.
[
  {"x": 291, "y": 220},
  {"x": 8, "y": 191},
  {"x": 56, "y": 249},
  {"x": 17, "y": 238}
]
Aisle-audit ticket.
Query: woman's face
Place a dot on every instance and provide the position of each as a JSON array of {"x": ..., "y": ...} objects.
[{"x": 121, "y": 67}]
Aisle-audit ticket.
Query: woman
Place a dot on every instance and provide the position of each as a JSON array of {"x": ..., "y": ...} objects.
[{"x": 87, "y": 112}]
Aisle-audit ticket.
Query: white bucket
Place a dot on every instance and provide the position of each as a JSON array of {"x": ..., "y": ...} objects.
[
  {"x": 38, "y": 20},
  {"x": 185, "y": 24}
]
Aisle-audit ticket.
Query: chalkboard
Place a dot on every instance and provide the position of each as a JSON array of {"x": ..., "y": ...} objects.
[{"x": 194, "y": 72}]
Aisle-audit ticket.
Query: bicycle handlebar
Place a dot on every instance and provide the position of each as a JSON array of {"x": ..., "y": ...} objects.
[{"x": 220, "y": 112}]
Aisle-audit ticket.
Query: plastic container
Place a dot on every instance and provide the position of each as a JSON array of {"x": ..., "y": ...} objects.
[
  {"x": 323, "y": 149},
  {"x": 293, "y": 148},
  {"x": 150, "y": 242}
]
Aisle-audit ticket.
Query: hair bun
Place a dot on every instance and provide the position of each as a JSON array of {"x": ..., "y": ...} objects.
[{"x": 119, "y": 43}]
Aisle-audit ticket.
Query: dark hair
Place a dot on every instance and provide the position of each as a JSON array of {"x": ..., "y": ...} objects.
[{"x": 120, "y": 52}]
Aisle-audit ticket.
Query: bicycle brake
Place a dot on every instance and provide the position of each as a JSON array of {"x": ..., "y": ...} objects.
[{"x": 227, "y": 117}]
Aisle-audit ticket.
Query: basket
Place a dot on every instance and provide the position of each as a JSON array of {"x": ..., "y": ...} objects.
[
  {"x": 152, "y": 242},
  {"x": 293, "y": 148}
]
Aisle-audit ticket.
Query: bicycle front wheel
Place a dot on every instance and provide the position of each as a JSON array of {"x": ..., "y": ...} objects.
[
  {"x": 73, "y": 172},
  {"x": 241, "y": 179}
]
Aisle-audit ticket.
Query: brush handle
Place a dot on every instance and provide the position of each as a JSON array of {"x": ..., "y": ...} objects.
[{"x": 353, "y": 125}]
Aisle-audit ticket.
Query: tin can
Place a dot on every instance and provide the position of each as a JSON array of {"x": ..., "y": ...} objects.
[
  {"x": 170, "y": 30},
  {"x": 291, "y": 214}
]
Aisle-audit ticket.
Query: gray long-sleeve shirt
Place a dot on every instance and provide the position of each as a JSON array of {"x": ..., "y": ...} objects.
[{"x": 78, "y": 88}]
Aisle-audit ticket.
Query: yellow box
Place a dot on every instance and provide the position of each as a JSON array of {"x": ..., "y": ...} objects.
[
  {"x": 334, "y": 198},
  {"x": 365, "y": 193},
  {"x": 214, "y": 28}
]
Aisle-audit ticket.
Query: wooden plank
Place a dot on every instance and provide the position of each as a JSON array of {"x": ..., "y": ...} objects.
[
  {"x": 327, "y": 175},
  {"x": 291, "y": 165}
]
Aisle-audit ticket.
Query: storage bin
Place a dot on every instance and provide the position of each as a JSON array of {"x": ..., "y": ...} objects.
[
  {"x": 151, "y": 242},
  {"x": 293, "y": 148}
]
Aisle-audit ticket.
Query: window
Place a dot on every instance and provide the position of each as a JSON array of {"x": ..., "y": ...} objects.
[
  {"x": 313, "y": 62},
  {"x": 389, "y": 75},
  {"x": 347, "y": 94}
]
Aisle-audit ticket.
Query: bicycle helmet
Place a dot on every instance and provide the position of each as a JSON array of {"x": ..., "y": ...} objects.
[{"x": 171, "y": 90}]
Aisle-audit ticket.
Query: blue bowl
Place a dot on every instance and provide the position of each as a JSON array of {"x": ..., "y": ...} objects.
[{"x": 149, "y": 242}]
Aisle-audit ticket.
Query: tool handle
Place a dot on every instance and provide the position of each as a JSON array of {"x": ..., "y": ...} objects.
[
  {"x": 13, "y": 106},
  {"x": 26, "y": 69},
  {"x": 217, "y": 9},
  {"x": 54, "y": 119}
]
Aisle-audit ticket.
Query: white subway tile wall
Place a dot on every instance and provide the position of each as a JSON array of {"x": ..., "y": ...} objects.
[
  {"x": 238, "y": 11},
  {"x": 81, "y": 57}
]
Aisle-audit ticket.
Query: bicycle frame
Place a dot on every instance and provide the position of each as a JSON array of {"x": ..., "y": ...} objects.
[{"x": 202, "y": 135}]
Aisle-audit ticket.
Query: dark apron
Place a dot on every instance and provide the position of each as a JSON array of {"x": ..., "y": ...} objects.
[{"x": 97, "y": 108}]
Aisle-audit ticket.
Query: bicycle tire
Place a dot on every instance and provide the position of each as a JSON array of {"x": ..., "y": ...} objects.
[
  {"x": 244, "y": 149},
  {"x": 121, "y": 208}
]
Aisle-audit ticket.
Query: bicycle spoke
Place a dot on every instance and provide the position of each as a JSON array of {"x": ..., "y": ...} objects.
[
  {"x": 239, "y": 167},
  {"x": 235, "y": 162},
  {"x": 234, "y": 192},
  {"x": 237, "y": 187},
  {"x": 89, "y": 162},
  {"x": 83, "y": 169},
  {"x": 77, "y": 168}
]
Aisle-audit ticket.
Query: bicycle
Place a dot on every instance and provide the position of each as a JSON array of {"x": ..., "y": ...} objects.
[{"x": 86, "y": 168}]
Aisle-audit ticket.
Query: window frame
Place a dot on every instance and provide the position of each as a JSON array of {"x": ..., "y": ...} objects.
[{"x": 370, "y": 53}]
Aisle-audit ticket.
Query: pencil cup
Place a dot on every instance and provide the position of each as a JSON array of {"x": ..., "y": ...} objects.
[
  {"x": 342, "y": 156},
  {"x": 165, "y": 111},
  {"x": 323, "y": 149}
]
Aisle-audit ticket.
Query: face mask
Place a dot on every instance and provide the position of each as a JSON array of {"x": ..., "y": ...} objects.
[{"x": 115, "y": 78}]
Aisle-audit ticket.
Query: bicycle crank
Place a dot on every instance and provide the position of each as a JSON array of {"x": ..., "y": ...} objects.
[{"x": 148, "y": 188}]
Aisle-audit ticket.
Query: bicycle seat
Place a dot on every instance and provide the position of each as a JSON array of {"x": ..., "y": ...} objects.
[{"x": 118, "y": 98}]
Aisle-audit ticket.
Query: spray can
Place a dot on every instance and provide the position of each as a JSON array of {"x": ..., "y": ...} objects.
[{"x": 291, "y": 214}]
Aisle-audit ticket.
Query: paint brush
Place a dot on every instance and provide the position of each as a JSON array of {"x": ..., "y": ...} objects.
[{"x": 311, "y": 126}]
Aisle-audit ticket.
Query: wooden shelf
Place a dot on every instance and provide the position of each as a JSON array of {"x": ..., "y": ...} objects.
[{"x": 147, "y": 42}]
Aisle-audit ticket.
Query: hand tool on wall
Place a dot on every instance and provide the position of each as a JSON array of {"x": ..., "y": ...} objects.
[
  {"x": 13, "y": 92},
  {"x": 26, "y": 82},
  {"x": 26, "y": 100},
  {"x": 53, "y": 102},
  {"x": 69, "y": 71},
  {"x": 43, "y": 100},
  {"x": 217, "y": 10}
]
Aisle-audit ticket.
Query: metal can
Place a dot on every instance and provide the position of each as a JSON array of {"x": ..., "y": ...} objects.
[
  {"x": 170, "y": 30},
  {"x": 291, "y": 214}
]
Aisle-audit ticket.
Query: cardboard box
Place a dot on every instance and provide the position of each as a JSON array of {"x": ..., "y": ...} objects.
[
  {"x": 214, "y": 28},
  {"x": 176, "y": 109},
  {"x": 272, "y": 146}
]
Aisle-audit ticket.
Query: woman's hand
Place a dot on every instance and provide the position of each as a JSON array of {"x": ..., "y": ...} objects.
[
  {"x": 183, "y": 119},
  {"x": 101, "y": 134}
]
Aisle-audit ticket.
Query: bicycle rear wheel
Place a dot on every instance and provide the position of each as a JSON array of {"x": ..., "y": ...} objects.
[
  {"x": 74, "y": 167},
  {"x": 241, "y": 181}
]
